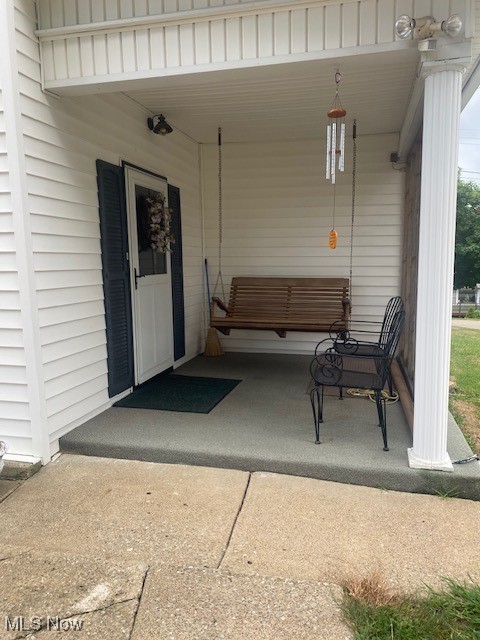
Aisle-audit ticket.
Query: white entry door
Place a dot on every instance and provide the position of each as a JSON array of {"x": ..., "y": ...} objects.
[{"x": 151, "y": 280}]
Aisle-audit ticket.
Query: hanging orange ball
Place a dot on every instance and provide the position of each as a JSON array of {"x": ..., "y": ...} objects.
[{"x": 332, "y": 240}]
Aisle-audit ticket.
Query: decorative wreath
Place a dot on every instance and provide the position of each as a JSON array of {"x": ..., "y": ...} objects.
[{"x": 159, "y": 221}]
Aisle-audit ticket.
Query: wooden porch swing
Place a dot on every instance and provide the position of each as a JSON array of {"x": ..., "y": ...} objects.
[{"x": 281, "y": 304}]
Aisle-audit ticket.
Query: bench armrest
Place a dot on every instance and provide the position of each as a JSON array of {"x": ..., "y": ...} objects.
[
  {"x": 327, "y": 368},
  {"x": 220, "y": 304}
]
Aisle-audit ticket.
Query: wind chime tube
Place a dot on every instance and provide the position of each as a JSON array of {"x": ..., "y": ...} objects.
[
  {"x": 333, "y": 150},
  {"x": 327, "y": 163},
  {"x": 341, "y": 161}
]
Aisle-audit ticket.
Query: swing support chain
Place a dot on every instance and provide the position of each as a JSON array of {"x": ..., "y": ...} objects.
[
  {"x": 219, "y": 280},
  {"x": 354, "y": 178},
  {"x": 213, "y": 345}
]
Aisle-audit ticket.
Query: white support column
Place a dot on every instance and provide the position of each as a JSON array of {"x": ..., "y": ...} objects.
[{"x": 441, "y": 121}]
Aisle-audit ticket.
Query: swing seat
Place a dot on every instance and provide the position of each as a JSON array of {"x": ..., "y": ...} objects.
[{"x": 283, "y": 304}]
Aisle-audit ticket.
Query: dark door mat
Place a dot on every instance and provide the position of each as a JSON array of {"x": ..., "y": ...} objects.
[{"x": 192, "y": 394}]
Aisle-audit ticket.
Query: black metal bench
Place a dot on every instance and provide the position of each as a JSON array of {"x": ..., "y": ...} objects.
[{"x": 344, "y": 361}]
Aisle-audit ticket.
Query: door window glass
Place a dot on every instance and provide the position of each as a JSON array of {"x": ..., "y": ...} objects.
[{"x": 150, "y": 262}]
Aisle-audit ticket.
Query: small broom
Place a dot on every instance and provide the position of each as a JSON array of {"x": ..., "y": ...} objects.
[{"x": 213, "y": 346}]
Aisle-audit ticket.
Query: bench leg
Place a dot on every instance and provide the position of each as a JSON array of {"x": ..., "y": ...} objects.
[
  {"x": 316, "y": 398},
  {"x": 382, "y": 417}
]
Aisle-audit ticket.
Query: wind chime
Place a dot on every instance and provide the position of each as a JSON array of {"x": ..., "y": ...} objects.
[{"x": 335, "y": 156}]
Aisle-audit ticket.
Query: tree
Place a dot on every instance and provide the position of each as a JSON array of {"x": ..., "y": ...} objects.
[{"x": 467, "y": 238}]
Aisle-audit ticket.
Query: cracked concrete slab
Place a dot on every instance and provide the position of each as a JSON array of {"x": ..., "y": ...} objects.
[
  {"x": 115, "y": 622},
  {"x": 41, "y": 591},
  {"x": 183, "y": 604},
  {"x": 7, "y": 487},
  {"x": 317, "y": 530},
  {"x": 139, "y": 510}
]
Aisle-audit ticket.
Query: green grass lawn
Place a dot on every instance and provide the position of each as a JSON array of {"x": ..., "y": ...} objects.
[
  {"x": 450, "y": 614},
  {"x": 465, "y": 376},
  {"x": 371, "y": 609}
]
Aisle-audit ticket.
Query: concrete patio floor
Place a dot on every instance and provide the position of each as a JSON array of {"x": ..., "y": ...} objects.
[
  {"x": 265, "y": 424},
  {"x": 137, "y": 550}
]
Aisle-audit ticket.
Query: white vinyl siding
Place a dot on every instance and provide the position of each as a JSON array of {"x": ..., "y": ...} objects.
[
  {"x": 15, "y": 427},
  {"x": 15, "y": 412},
  {"x": 63, "y": 139},
  {"x": 59, "y": 13},
  {"x": 277, "y": 214},
  {"x": 131, "y": 41}
]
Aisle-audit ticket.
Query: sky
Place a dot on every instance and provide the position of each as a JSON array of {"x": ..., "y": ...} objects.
[{"x": 469, "y": 158}]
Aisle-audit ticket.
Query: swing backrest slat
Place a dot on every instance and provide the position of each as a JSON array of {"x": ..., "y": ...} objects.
[{"x": 296, "y": 304}]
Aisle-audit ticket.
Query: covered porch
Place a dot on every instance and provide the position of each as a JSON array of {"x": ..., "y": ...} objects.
[
  {"x": 265, "y": 424},
  {"x": 265, "y": 74}
]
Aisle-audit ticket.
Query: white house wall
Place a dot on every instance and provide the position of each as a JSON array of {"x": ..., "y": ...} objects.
[
  {"x": 101, "y": 43},
  {"x": 15, "y": 425},
  {"x": 63, "y": 139},
  {"x": 278, "y": 214},
  {"x": 20, "y": 409}
]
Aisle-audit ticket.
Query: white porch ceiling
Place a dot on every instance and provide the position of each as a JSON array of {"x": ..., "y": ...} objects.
[{"x": 285, "y": 101}]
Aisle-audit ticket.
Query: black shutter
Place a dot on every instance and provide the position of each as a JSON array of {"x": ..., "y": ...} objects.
[
  {"x": 116, "y": 276},
  {"x": 177, "y": 275}
]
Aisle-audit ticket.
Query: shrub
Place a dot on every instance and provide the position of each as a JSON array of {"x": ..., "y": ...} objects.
[{"x": 473, "y": 313}]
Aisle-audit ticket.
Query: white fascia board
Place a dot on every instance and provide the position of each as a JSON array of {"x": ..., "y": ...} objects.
[{"x": 139, "y": 80}]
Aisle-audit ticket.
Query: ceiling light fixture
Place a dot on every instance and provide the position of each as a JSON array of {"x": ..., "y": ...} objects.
[
  {"x": 427, "y": 27},
  {"x": 158, "y": 124}
]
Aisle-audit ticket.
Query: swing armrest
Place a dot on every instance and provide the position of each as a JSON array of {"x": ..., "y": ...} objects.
[{"x": 219, "y": 303}]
